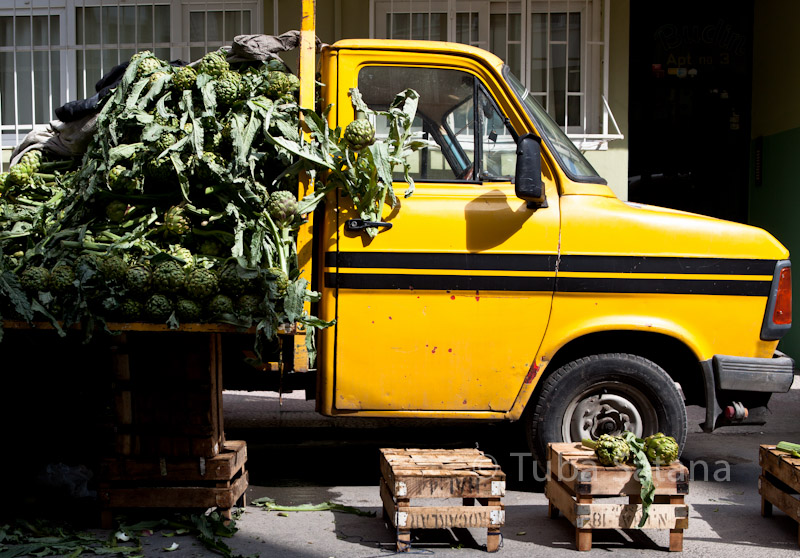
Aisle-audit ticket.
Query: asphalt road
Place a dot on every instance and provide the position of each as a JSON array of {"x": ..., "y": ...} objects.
[{"x": 297, "y": 457}]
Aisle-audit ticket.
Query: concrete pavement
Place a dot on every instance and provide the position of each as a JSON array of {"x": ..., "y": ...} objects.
[{"x": 337, "y": 462}]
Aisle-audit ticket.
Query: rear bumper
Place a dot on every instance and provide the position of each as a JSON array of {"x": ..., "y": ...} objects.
[{"x": 738, "y": 388}]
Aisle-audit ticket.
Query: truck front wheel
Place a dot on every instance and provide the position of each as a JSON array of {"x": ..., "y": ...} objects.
[{"x": 605, "y": 394}]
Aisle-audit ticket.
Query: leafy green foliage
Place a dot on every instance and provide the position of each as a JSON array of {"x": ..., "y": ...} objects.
[{"x": 189, "y": 169}]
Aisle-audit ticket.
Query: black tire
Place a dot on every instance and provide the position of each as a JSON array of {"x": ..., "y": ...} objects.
[{"x": 594, "y": 395}]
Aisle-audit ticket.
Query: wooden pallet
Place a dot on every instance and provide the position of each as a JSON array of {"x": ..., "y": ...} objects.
[
  {"x": 468, "y": 474},
  {"x": 779, "y": 483},
  {"x": 140, "y": 482},
  {"x": 578, "y": 484},
  {"x": 168, "y": 394}
]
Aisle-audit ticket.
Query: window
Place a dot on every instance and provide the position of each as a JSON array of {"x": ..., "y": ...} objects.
[
  {"x": 55, "y": 51},
  {"x": 465, "y": 140},
  {"x": 557, "y": 47}
]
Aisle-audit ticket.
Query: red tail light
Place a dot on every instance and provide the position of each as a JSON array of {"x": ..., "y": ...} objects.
[{"x": 782, "y": 315}]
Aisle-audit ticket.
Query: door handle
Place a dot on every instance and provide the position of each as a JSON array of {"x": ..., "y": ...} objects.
[{"x": 361, "y": 224}]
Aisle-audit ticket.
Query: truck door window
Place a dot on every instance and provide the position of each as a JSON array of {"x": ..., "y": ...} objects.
[{"x": 462, "y": 142}]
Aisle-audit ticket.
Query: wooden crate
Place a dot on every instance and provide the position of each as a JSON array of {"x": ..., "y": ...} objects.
[
  {"x": 468, "y": 474},
  {"x": 577, "y": 486},
  {"x": 168, "y": 394},
  {"x": 779, "y": 483},
  {"x": 185, "y": 483}
]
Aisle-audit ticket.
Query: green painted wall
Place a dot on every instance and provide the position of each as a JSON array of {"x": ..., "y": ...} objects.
[
  {"x": 613, "y": 163},
  {"x": 776, "y": 121}
]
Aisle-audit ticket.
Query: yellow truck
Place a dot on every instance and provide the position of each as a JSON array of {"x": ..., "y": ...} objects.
[{"x": 514, "y": 284}]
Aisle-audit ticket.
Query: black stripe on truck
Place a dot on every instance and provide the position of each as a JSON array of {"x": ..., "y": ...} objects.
[
  {"x": 371, "y": 281},
  {"x": 539, "y": 262},
  {"x": 547, "y": 262}
]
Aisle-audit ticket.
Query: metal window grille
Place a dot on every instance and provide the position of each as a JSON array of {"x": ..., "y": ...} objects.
[
  {"x": 54, "y": 51},
  {"x": 558, "y": 48}
]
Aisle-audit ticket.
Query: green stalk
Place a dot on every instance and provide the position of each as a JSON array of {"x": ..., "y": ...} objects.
[{"x": 91, "y": 246}]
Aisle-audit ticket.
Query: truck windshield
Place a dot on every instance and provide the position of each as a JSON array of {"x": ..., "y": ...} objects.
[{"x": 571, "y": 160}]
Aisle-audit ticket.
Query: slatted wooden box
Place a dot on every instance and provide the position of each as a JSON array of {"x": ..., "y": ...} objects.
[
  {"x": 168, "y": 394},
  {"x": 468, "y": 474},
  {"x": 170, "y": 482},
  {"x": 779, "y": 483},
  {"x": 578, "y": 485}
]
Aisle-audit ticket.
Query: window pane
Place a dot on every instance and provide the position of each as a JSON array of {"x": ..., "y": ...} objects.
[
  {"x": 445, "y": 116},
  {"x": 163, "y": 31},
  {"x": 574, "y": 110},
  {"x": 144, "y": 24},
  {"x": 29, "y": 79},
  {"x": 110, "y": 26},
  {"x": 538, "y": 73},
  {"x": 400, "y": 27},
  {"x": 575, "y": 51},
  {"x": 468, "y": 27},
  {"x": 127, "y": 29},
  {"x": 497, "y": 144},
  {"x": 556, "y": 94},
  {"x": 498, "y": 36}
]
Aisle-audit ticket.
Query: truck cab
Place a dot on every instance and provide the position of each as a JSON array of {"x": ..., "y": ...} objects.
[{"x": 513, "y": 284}]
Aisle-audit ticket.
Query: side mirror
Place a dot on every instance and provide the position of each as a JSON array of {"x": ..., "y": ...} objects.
[{"x": 528, "y": 183}]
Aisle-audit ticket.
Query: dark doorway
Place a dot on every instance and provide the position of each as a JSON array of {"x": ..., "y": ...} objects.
[{"x": 690, "y": 97}]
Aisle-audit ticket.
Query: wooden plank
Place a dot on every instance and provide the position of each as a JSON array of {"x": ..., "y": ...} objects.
[
  {"x": 442, "y": 517},
  {"x": 780, "y": 464},
  {"x": 578, "y": 469},
  {"x": 388, "y": 503},
  {"x": 785, "y": 502},
  {"x": 175, "y": 497},
  {"x": 627, "y": 516},
  {"x": 222, "y": 467},
  {"x": 596, "y": 515}
]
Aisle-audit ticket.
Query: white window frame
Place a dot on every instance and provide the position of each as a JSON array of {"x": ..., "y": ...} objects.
[
  {"x": 11, "y": 133},
  {"x": 593, "y": 133}
]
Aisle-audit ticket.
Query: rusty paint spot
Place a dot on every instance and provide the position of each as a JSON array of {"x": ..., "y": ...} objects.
[
  {"x": 477, "y": 298},
  {"x": 532, "y": 372},
  {"x": 373, "y": 321},
  {"x": 449, "y": 350},
  {"x": 390, "y": 317},
  {"x": 434, "y": 350},
  {"x": 452, "y": 297},
  {"x": 465, "y": 402}
]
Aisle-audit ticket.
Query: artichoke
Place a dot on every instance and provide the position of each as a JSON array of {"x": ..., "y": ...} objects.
[
  {"x": 158, "y": 308},
  {"x": 62, "y": 278},
  {"x": 294, "y": 84},
  {"x": 176, "y": 221},
  {"x": 35, "y": 278},
  {"x": 277, "y": 84},
  {"x": 219, "y": 305},
  {"x": 116, "y": 179},
  {"x": 201, "y": 283},
  {"x": 228, "y": 87},
  {"x": 169, "y": 277},
  {"x": 214, "y": 63},
  {"x": 131, "y": 310},
  {"x": 359, "y": 134},
  {"x": 116, "y": 210},
  {"x": 184, "y": 77},
  {"x": 182, "y": 254},
  {"x": 22, "y": 172},
  {"x": 230, "y": 282},
  {"x": 188, "y": 310},
  {"x": 661, "y": 449},
  {"x": 282, "y": 207},
  {"x": 160, "y": 169},
  {"x": 155, "y": 76},
  {"x": 611, "y": 450},
  {"x": 148, "y": 65},
  {"x": 164, "y": 142},
  {"x": 113, "y": 268},
  {"x": 249, "y": 305},
  {"x": 281, "y": 281},
  {"x": 138, "y": 278}
]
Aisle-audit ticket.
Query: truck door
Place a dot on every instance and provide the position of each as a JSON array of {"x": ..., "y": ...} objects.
[{"x": 445, "y": 310}]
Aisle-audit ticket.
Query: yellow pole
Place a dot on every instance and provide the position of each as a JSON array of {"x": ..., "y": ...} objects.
[{"x": 307, "y": 75}]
